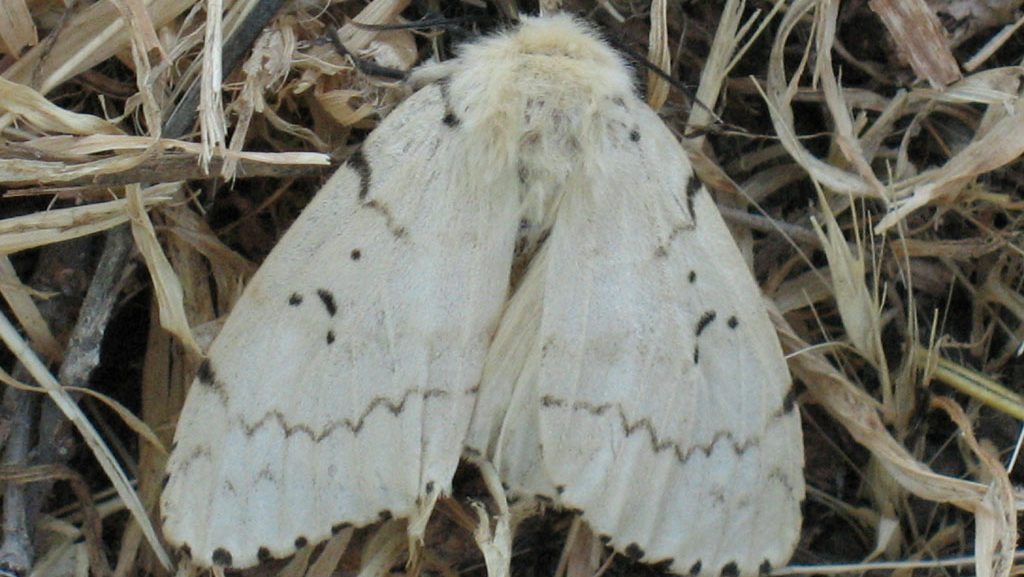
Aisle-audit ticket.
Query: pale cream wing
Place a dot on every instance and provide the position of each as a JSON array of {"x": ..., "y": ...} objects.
[
  {"x": 340, "y": 389},
  {"x": 665, "y": 406}
]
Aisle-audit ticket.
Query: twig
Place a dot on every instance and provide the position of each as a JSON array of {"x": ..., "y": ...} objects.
[
  {"x": 760, "y": 223},
  {"x": 56, "y": 435},
  {"x": 171, "y": 167},
  {"x": 92, "y": 528},
  {"x": 364, "y": 66},
  {"x": 62, "y": 269},
  {"x": 180, "y": 122}
]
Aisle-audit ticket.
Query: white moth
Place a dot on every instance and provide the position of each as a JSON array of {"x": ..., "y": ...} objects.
[{"x": 518, "y": 267}]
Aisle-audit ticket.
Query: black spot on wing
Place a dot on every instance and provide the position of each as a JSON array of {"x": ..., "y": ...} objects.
[
  {"x": 663, "y": 566},
  {"x": 430, "y": 487},
  {"x": 330, "y": 337},
  {"x": 765, "y": 568},
  {"x": 185, "y": 550},
  {"x": 733, "y": 322},
  {"x": 692, "y": 188},
  {"x": 358, "y": 163},
  {"x": 706, "y": 319},
  {"x": 789, "y": 401},
  {"x": 693, "y": 276},
  {"x": 695, "y": 568},
  {"x": 730, "y": 570},
  {"x": 335, "y": 529},
  {"x": 263, "y": 554},
  {"x": 634, "y": 135},
  {"x": 328, "y": 299},
  {"x": 206, "y": 374},
  {"x": 450, "y": 119},
  {"x": 356, "y": 254},
  {"x": 222, "y": 557},
  {"x": 384, "y": 515},
  {"x": 605, "y": 539},
  {"x": 634, "y": 552},
  {"x": 295, "y": 300},
  {"x": 301, "y": 542}
]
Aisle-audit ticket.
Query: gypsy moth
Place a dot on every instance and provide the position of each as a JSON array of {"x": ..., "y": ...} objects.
[{"x": 631, "y": 373}]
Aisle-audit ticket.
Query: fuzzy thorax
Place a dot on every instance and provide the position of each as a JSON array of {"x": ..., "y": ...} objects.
[
  {"x": 538, "y": 91},
  {"x": 535, "y": 102}
]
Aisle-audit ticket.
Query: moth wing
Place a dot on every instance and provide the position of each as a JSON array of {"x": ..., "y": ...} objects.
[
  {"x": 340, "y": 389},
  {"x": 665, "y": 414},
  {"x": 505, "y": 426}
]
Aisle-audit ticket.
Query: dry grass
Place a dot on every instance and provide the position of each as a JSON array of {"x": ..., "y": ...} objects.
[{"x": 866, "y": 155}]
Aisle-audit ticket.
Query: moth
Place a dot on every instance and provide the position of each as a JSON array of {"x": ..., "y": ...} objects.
[{"x": 518, "y": 267}]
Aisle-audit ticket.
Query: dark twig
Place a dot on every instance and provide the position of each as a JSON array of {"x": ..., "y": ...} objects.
[
  {"x": 56, "y": 435},
  {"x": 181, "y": 119},
  {"x": 16, "y": 551},
  {"x": 62, "y": 269},
  {"x": 174, "y": 166},
  {"x": 761, "y": 223},
  {"x": 363, "y": 65},
  {"x": 432, "y": 21},
  {"x": 92, "y": 528}
]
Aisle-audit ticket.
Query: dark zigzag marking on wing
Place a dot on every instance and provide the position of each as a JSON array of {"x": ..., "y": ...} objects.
[
  {"x": 779, "y": 475},
  {"x": 657, "y": 444},
  {"x": 354, "y": 426},
  {"x": 357, "y": 162},
  {"x": 662, "y": 250},
  {"x": 397, "y": 230},
  {"x": 200, "y": 451}
]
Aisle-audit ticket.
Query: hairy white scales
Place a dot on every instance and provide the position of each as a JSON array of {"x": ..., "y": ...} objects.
[{"x": 519, "y": 266}]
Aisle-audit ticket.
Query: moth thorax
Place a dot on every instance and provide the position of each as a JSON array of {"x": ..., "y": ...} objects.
[{"x": 548, "y": 153}]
